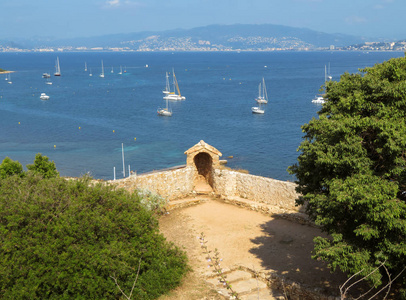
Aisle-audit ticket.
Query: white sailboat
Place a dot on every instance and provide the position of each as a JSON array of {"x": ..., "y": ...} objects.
[
  {"x": 121, "y": 70},
  {"x": 102, "y": 72},
  {"x": 262, "y": 94},
  {"x": 48, "y": 81},
  {"x": 112, "y": 70},
  {"x": 257, "y": 109},
  {"x": 172, "y": 95},
  {"x": 90, "y": 72},
  {"x": 165, "y": 111},
  {"x": 319, "y": 99},
  {"x": 261, "y": 99},
  {"x": 85, "y": 67},
  {"x": 9, "y": 79},
  {"x": 329, "y": 74},
  {"x": 167, "y": 89},
  {"x": 57, "y": 68}
]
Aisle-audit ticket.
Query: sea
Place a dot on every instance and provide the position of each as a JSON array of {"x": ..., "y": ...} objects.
[{"x": 89, "y": 124}]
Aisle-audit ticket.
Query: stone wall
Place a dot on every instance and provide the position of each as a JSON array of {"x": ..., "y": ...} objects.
[
  {"x": 172, "y": 184},
  {"x": 179, "y": 183},
  {"x": 258, "y": 189}
]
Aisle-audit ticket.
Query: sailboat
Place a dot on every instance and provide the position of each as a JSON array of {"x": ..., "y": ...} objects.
[
  {"x": 112, "y": 70},
  {"x": 85, "y": 67},
  {"x": 165, "y": 111},
  {"x": 121, "y": 70},
  {"x": 9, "y": 79},
  {"x": 48, "y": 81},
  {"x": 261, "y": 99},
  {"x": 57, "y": 68},
  {"x": 90, "y": 72},
  {"x": 172, "y": 95},
  {"x": 329, "y": 74},
  {"x": 102, "y": 73},
  {"x": 262, "y": 94},
  {"x": 319, "y": 99}
]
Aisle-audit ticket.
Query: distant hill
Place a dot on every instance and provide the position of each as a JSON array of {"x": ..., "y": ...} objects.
[{"x": 220, "y": 37}]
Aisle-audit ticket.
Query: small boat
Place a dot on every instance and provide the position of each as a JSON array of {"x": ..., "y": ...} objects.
[
  {"x": 48, "y": 81},
  {"x": 46, "y": 75},
  {"x": 125, "y": 69},
  {"x": 44, "y": 96},
  {"x": 112, "y": 70},
  {"x": 319, "y": 99},
  {"x": 90, "y": 73},
  {"x": 9, "y": 79},
  {"x": 102, "y": 73},
  {"x": 262, "y": 94},
  {"x": 121, "y": 70},
  {"x": 172, "y": 95},
  {"x": 57, "y": 68},
  {"x": 85, "y": 66}
]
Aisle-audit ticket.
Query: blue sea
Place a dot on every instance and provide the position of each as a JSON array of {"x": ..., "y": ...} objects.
[{"x": 87, "y": 119}]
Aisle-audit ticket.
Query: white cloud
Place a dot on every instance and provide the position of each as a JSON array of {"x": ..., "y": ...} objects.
[
  {"x": 121, "y": 3},
  {"x": 112, "y": 3},
  {"x": 355, "y": 20}
]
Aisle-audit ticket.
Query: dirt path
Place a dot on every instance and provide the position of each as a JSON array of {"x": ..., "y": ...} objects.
[{"x": 250, "y": 239}]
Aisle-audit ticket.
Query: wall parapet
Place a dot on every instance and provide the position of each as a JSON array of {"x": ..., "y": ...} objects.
[
  {"x": 171, "y": 185},
  {"x": 230, "y": 184}
]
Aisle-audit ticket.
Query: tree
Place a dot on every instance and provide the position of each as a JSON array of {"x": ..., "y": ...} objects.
[
  {"x": 10, "y": 167},
  {"x": 43, "y": 166},
  {"x": 351, "y": 171},
  {"x": 68, "y": 239}
]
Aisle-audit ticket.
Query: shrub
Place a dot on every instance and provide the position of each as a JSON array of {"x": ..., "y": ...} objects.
[
  {"x": 63, "y": 239},
  {"x": 10, "y": 167},
  {"x": 43, "y": 166}
]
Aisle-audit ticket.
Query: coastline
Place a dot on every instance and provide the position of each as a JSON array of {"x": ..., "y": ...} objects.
[{"x": 6, "y": 72}]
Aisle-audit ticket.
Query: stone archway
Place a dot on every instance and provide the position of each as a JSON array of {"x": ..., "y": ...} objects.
[
  {"x": 204, "y": 166},
  {"x": 203, "y": 159},
  {"x": 203, "y": 163}
]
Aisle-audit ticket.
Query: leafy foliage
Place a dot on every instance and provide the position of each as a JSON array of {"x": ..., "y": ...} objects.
[
  {"x": 66, "y": 239},
  {"x": 352, "y": 171},
  {"x": 10, "y": 167},
  {"x": 43, "y": 166}
]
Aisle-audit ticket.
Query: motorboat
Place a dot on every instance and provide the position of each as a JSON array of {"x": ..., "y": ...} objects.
[
  {"x": 44, "y": 96},
  {"x": 319, "y": 99}
]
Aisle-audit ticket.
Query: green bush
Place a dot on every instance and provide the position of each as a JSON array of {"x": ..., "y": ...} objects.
[
  {"x": 43, "y": 166},
  {"x": 10, "y": 167},
  {"x": 66, "y": 239}
]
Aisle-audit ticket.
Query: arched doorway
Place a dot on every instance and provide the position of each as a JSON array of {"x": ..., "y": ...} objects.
[{"x": 204, "y": 166}]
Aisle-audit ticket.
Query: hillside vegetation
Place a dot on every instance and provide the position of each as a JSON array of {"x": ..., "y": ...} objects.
[{"x": 69, "y": 239}]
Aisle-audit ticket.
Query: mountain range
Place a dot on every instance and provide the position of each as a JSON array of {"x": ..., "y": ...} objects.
[{"x": 218, "y": 37}]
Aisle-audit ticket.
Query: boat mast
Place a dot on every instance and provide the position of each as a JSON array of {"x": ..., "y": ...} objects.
[{"x": 265, "y": 94}]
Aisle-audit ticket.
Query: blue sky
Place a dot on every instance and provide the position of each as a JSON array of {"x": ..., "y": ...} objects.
[{"x": 82, "y": 18}]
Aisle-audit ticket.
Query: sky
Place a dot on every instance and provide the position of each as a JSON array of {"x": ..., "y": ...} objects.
[{"x": 85, "y": 18}]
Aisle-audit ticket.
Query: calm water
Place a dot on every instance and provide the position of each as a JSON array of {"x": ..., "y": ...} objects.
[{"x": 87, "y": 119}]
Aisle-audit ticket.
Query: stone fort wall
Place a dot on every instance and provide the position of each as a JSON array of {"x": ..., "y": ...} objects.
[{"x": 228, "y": 184}]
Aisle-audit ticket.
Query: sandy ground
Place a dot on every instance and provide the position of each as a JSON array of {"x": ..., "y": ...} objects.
[{"x": 250, "y": 239}]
